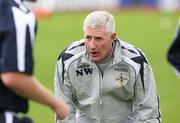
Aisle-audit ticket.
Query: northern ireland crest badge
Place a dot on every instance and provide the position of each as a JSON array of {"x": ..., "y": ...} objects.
[{"x": 121, "y": 75}]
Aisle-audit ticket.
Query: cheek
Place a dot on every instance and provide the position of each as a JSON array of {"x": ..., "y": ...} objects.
[
  {"x": 103, "y": 48},
  {"x": 86, "y": 44},
  {"x": 106, "y": 45}
]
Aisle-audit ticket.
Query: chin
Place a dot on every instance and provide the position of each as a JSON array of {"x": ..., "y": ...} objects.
[{"x": 95, "y": 60}]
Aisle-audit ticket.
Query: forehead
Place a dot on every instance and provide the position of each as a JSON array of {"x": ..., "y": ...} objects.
[{"x": 97, "y": 31}]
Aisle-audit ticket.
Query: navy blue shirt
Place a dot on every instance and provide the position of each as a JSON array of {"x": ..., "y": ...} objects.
[
  {"x": 17, "y": 34},
  {"x": 4, "y": 15},
  {"x": 174, "y": 51}
]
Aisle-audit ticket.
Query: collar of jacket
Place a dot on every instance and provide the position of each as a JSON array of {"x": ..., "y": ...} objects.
[{"x": 117, "y": 55}]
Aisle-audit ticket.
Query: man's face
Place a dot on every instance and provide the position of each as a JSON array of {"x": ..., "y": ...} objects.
[{"x": 98, "y": 43}]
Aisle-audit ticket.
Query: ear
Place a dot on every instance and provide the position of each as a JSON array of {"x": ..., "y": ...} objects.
[{"x": 113, "y": 36}]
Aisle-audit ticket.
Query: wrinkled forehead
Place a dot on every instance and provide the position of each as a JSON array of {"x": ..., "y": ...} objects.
[{"x": 95, "y": 32}]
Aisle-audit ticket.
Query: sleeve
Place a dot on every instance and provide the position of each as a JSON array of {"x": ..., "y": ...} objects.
[
  {"x": 18, "y": 41},
  {"x": 173, "y": 54},
  {"x": 4, "y": 14},
  {"x": 145, "y": 105},
  {"x": 64, "y": 91}
]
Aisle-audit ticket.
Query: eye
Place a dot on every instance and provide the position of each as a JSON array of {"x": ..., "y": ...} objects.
[
  {"x": 88, "y": 38},
  {"x": 98, "y": 38}
]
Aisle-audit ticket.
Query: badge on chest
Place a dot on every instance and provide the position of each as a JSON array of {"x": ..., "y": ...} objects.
[{"x": 121, "y": 75}]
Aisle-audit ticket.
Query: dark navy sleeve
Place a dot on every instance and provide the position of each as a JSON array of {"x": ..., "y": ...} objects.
[
  {"x": 174, "y": 51},
  {"x": 4, "y": 15},
  {"x": 17, "y": 41}
]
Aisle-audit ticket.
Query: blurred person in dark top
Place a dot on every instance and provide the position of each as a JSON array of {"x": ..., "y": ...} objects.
[
  {"x": 17, "y": 84},
  {"x": 173, "y": 54}
]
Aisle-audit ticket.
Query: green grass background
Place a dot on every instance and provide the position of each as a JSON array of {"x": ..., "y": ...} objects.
[{"x": 151, "y": 31}]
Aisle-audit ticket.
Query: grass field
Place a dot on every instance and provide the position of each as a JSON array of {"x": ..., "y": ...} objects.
[{"x": 151, "y": 31}]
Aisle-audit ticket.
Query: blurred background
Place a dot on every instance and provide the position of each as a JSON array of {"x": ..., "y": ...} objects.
[
  {"x": 81, "y": 5},
  {"x": 147, "y": 24}
]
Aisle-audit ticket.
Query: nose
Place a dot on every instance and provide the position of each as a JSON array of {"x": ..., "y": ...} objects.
[{"x": 92, "y": 44}]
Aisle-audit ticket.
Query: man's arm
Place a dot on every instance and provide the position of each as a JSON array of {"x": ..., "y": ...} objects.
[
  {"x": 145, "y": 104},
  {"x": 64, "y": 91},
  {"x": 29, "y": 87}
]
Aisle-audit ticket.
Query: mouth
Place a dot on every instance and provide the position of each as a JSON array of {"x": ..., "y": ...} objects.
[{"x": 93, "y": 54}]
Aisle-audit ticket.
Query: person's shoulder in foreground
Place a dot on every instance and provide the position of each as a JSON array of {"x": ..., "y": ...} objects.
[
  {"x": 105, "y": 79},
  {"x": 173, "y": 54},
  {"x": 17, "y": 83}
]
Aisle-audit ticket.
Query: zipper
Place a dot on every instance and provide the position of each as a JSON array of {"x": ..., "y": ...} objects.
[{"x": 100, "y": 94}]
